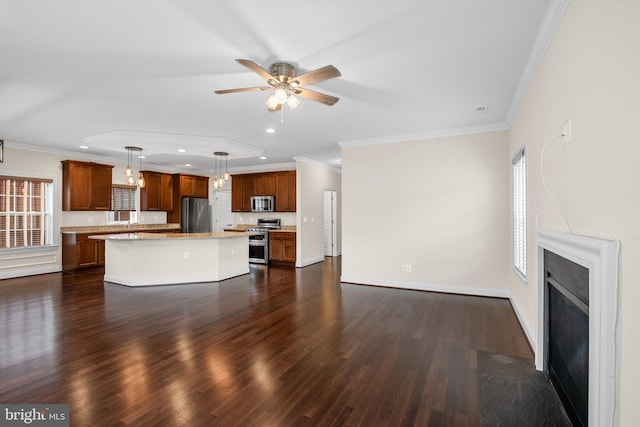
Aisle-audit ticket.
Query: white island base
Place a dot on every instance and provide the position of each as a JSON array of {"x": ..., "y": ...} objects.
[{"x": 145, "y": 259}]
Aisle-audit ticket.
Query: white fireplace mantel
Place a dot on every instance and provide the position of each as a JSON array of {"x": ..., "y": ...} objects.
[{"x": 600, "y": 256}]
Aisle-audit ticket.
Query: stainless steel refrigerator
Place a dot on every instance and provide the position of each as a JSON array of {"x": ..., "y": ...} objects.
[{"x": 195, "y": 215}]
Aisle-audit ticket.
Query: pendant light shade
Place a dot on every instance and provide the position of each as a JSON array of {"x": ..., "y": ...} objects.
[
  {"x": 220, "y": 177},
  {"x": 131, "y": 180}
]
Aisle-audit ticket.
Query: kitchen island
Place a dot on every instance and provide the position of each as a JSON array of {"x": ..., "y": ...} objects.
[{"x": 145, "y": 259}]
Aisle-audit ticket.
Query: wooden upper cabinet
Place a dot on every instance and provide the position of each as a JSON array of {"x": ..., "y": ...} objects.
[
  {"x": 166, "y": 192},
  {"x": 157, "y": 194},
  {"x": 202, "y": 187},
  {"x": 286, "y": 191},
  {"x": 248, "y": 190},
  {"x": 282, "y": 185},
  {"x": 265, "y": 184},
  {"x": 237, "y": 187},
  {"x": 194, "y": 186},
  {"x": 86, "y": 186}
]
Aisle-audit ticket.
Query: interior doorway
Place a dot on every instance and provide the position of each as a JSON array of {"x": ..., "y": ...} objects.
[
  {"x": 222, "y": 215},
  {"x": 330, "y": 241}
]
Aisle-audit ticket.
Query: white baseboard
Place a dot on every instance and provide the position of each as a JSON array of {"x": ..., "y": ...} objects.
[
  {"x": 523, "y": 324},
  {"x": 432, "y": 287},
  {"x": 310, "y": 261},
  {"x": 30, "y": 272}
]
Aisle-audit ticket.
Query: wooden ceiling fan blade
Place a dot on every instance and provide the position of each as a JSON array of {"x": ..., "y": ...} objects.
[
  {"x": 256, "y": 69},
  {"x": 325, "y": 73},
  {"x": 243, "y": 89},
  {"x": 317, "y": 96}
]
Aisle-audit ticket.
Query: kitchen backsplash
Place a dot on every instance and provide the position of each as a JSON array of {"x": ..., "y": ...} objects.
[
  {"x": 286, "y": 218},
  {"x": 95, "y": 218}
]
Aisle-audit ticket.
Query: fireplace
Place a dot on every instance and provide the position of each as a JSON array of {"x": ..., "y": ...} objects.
[
  {"x": 576, "y": 346},
  {"x": 566, "y": 352}
]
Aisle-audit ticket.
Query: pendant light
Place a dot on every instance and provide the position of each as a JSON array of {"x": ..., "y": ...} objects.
[
  {"x": 219, "y": 177},
  {"x": 129, "y": 171},
  {"x": 141, "y": 181}
]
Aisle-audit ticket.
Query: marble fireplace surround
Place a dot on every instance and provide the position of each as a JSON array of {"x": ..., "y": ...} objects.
[{"x": 600, "y": 256}]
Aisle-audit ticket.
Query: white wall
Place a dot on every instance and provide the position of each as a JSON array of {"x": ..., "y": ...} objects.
[
  {"x": 591, "y": 76},
  {"x": 439, "y": 205},
  {"x": 312, "y": 179}
]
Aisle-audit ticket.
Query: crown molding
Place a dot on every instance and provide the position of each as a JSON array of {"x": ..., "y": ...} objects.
[
  {"x": 316, "y": 163},
  {"x": 491, "y": 127},
  {"x": 547, "y": 31}
]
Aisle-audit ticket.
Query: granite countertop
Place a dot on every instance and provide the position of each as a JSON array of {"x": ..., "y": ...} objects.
[
  {"x": 114, "y": 228},
  {"x": 171, "y": 236}
]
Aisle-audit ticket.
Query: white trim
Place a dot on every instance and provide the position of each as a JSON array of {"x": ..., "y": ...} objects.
[
  {"x": 491, "y": 127},
  {"x": 600, "y": 256},
  {"x": 316, "y": 163},
  {"x": 274, "y": 167},
  {"x": 175, "y": 280},
  {"x": 310, "y": 262},
  {"x": 431, "y": 287},
  {"x": 523, "y": 324},
  {"x": 547, "y": 31}
]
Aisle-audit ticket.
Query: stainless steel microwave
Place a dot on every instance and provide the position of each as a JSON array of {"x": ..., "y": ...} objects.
[{"x": 262, "y": 203}]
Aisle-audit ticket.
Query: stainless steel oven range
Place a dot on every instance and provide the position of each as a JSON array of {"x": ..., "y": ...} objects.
[{"x": 259, "y": 243}]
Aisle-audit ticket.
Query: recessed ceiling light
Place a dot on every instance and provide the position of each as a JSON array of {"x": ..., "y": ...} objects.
[
  {"x": 182, "y": 150},
  {"x": 271, "y": 130},
  {"x": 84, "y": 147},
  {"x": 263, "y": 157},
  {"x": 142, "y": 157},
  {"x": 188, "y": 165}
]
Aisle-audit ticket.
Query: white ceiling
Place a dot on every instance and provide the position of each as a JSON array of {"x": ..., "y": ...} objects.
[{"x": 73, "y": 69}]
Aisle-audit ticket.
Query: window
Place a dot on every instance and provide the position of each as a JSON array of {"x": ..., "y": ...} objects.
[
  {"x": 519, "y": 170},
  {"x": 26, "y": 212},
  {"x": 123, "y": 202}
]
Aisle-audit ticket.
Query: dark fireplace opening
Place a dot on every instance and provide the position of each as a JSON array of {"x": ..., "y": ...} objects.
[{"x": 567, "y": 333}]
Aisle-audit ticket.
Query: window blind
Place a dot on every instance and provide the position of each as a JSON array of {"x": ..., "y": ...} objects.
[
  {"x": 519, "y": 170},
  {"x": 26, "y": 212},
  {"x": 123, "y": 201}
]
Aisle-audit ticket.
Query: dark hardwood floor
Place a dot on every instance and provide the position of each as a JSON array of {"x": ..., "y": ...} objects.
[{"x": 277, "y": 347}]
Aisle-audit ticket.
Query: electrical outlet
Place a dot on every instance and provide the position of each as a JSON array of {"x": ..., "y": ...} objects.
[
  {"x": 566, "y": 131},
  {"x": 408, "y": 268},
  {"x": 233, "y": 251},
  {"x": 90, "y": 219},
  {"x": 187, "y": 255},
  {"x": 403, "y": 267}
]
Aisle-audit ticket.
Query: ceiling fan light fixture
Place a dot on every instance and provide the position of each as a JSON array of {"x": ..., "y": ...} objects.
[
  {"x": 281, "y": 95},
  {"x": 293, "y": 102},
  {"x": 272, "y": 102}
]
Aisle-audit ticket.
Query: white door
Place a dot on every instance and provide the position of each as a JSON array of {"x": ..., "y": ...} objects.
[
  {"x": 330, "y": 223},
  {"x": 223, "y": 217}
]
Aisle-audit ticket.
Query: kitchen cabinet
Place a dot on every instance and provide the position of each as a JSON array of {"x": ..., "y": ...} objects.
[
  {"x": 193, "y": 186},
  {"x": 265, "y": 184},
  {"x": 282, "y": 185},
  {"x": 157, "y": 194},
  {"x": 86, "y": 186},
  {"x": 78, "y": 251},
  {"x": 282, "y": 247},
  {"x": 286, "y": 191},
  {"x": 242, "y": 188}
]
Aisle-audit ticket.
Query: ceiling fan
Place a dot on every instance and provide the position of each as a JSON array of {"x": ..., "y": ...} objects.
[{"x": 285, "y": 84}]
